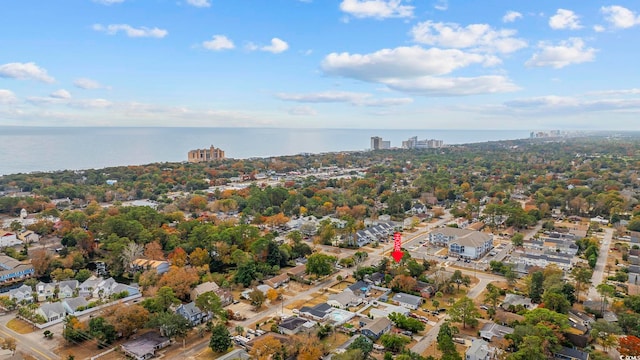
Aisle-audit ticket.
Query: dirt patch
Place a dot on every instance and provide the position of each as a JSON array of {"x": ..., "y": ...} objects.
[{"x": 20, "y": 326}]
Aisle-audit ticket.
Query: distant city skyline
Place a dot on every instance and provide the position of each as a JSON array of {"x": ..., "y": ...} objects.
[{"x": 360, "y": 64}]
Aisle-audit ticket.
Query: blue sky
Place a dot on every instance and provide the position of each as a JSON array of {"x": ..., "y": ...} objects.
[{"x": 420, "y": 64}]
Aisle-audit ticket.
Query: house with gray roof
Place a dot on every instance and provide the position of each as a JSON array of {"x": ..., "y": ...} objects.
[
  {"x": 570, "y": 354},
  {"x": 492, "y": 331},
  {"x": 634, "y": 275},
  {"x": 192, "y": 313},
  {"x": 145, "y": 346},
  {"x": 67, "y": 288},
  {"x": 45, "y": 291},
  {"x": 360, "y": 288},
  {"x": 465, "y": 243},
  {"x": 237, "y": 354},
  {"x": 203, "y": 288},
  {"x": 52, "y": 311},
  {"x": 318, "y": 312},
  {"x": 376, "y": 328},
  {"x": 480, "y": 350},
  {"x": 22, "y": 294},
  {"x": 71, "y": 305},
  {"x": 406, "y": 300},
  {"x": 292, "y": 325},
  {"x": 344, "y": 300},
  {"x": 516, "y": 300}
]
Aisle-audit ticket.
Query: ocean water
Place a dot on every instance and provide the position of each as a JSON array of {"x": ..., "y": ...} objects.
[{"x": 32, "y": 149}]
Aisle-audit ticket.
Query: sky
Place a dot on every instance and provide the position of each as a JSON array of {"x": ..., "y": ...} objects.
[{"x": 370, "y": 64}]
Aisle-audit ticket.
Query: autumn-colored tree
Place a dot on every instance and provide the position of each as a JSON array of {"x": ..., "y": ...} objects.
[
  {"x": 180, "y": 279},
  {"x": 153, "y": 251},
  {"x": 403, "y": 283},
  {"x": 310, "y": 348},
  {"x": 127, "y": 318},
  {"x": 40, "y": 259},
  {"x": 278, "y": 219},
  {"x": 197, "y": 203},
  {"x": 178, "y": 257},
  {"x": 629, "y": 345},
  {"x": 264, "y": 348},
  {"x": 199, "y": 257},
  {"x": 272, "y": 295}
]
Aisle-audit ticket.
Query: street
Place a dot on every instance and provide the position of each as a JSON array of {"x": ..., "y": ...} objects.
[{"x": 598, "y": 271}]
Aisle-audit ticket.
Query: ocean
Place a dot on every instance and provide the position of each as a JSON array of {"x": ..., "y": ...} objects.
[{"x": 34, "y": 149}]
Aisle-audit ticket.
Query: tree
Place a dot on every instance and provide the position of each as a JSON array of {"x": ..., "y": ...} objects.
[
  {"x": 406, "y": 323},
  {"x": 153, "y": 251},
  {"x": 517, "y": 239},
  {"x": 82, "y": 275},
  {"x": 581, "y": 276},
  {"x": 556, "y": 302},
  {"x": 320, "y": 264},
  {"x": 220, "y": 338},
  {"x": 246, "y": 273},
  {"x": 257, "y": 298},
  {"x": 181, "y": 280},
  {"x": 178, "y": 257},
  {"x": 536, "y": 286},
  {"x": 464, "y": 311},
  {"x": 445, "y": 341},
  {"x": 171, "y": 324},
  {"x": 40, "y": 259},
  {"x": 394, "y": 343},
  {"x": 403, "y": 283},
  {"x": 264, "y": 348},
  {"x": 199, "y": 257},
  {"x": 127, "y": 319},
  {"x": 364, "y": 344},
  {"x": 492, "y": 296},
  {"x": 210, "y": 302},
  {"x": 165, "y": 297},
  {"x": 102, "y": 331},
  {"x": 61, "y": 274},
  {"x": 310, "y": 349},
  {"x": 601, "y": 329},
  {"x": 272, "y": 295},
  {"x": 131, "y": 252},
  {"x": 606, "y": 291},
  {"x": 629, "y": 345}
]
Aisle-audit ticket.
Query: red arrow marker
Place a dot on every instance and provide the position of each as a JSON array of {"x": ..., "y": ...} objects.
[{"x": 397, "y": 247}]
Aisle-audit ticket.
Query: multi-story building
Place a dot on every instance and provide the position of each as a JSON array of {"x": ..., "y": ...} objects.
[
  {"x": 462, "y": 242},
  {"x": 378, "y": 144},
  {"x": 414, "y": 143},
  {"x": 205, "y": 155},
  {"x": 12, "y": 269}
]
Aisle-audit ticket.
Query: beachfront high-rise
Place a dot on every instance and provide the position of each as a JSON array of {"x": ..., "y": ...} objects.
[
  {"x": 205, "y": 155},
  {"x": 378, "y": 144}
]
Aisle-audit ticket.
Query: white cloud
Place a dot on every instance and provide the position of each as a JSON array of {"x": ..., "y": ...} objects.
[
  {"x": 108, "y": 2},
  {"x": 25, "y": 71},
  {"x": 61, "y": 94},
  {"x": 131, "y": 31},
  {"x": 480, "y": 36},
  {"x": 219, "y": 42},
  {"x": 378, "y": 9},
  {"x": 441, "y": 5},
  {"x": 7, "y": 97},
  {"x": 559, "y": 104},
  {"x": 353, "y": 98},
  {"x": 88, "y": 84},
  {"x": 598, "y": 28},
  {"x": 277, "y": 46},
  {"x": 302, "y": 111},
  {"x": 453, "y": 86},
  {"x": 567, "y": 52},
  {"x": 415, "y": 70},
  {"x": 199, "y": 3},
  {"x": 511, "y": 16},
  {"x": 620, "y": 17},
  {"x": 634, "y": 91},
  {"x": 565, "y": 19},
  {"x": 400, "y": 62}
]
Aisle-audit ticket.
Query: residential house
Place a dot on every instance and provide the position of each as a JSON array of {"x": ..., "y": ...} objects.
[
  {"x": 192, "y": 313},
  {"x": 344, "y": 300},
  {"x": 87, "y": 287},
  {"x": 634, "y": 256},
  {"x": 634, "y": 275},
  {"x": 579, "y": 321},
  {"x": 145, "y": 346},
  {"x": 376, "y": 328},
  {"x": 406, "y": 300},
  {"x": 74, "y": 304},
  {"x": 13, "y": 270},
  {"x": 515, "y": 301},
  {"x": 9, "y": 239},
  {"x": 318, "y": 312},
  {"x": 376, "y": 278},
  {"x": 52, "y": 311},
  {"x": 360, "y": 288},
  {"x": 298, "y": 271},
  {"x": 226, "y": 297},
  {"x": 203, "y": 288},
  {"x": 68, "y": 289},
  {"x": 28, "y": 237},
  {"x": 416, "y": 209},
  {"x": 159, "y": 266},
  {"x": 292, "y": 325},
  {"x": 263, "y": 288},
  {"x": 462, "y": 242},
  {"x": 571, "y": 354},
  {"x": 22, "y": 294},
  {"x": 492, "y": 331},
  {"x": 384, "y": 310},
  {"x": 480, "y": 350},
  {"x": 45, "y": 291},
  {"x": 237, "y": 354},
  {"x": 277, "y": 281},
  {"x": 107, "y": 287}
]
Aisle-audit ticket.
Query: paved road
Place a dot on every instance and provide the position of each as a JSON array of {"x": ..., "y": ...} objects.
[
  {"x": 598, "y": 271},
  {"x": 28, "y": 343}
]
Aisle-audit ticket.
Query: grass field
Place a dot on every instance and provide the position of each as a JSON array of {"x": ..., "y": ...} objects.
[{"x": 19, "y": 326}]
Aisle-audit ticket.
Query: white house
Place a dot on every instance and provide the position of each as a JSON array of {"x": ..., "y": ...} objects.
[
  {"x": 406, "y": 300},
  {"x": 480, "y": 350},
  {"x": 52, "y": 311},
  {"x": 22, "y": 294},
  {"x": 344, "y": 299},
  {"x": 45, "y": 291},
  {"x": 462, "y": 242},
  {"x": 72, "y": 305},
  {"x": 67, "y": 288},
  {"x": 9, "y": 239}
]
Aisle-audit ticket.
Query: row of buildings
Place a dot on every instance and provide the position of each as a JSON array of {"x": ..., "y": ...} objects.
[
  {"x": 377, "y": 143},
  {"x": 205, "y": 155}
]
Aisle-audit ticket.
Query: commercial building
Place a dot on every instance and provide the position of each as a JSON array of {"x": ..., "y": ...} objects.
[
  {"x": 414, "y": 143},
  {"x": 461, "y": 242},
  {"x": 12, "y": 269},
  {"x": 205, "y": 155}
]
